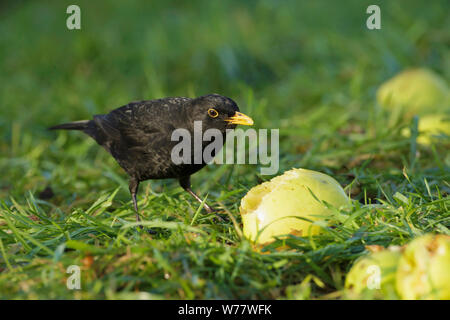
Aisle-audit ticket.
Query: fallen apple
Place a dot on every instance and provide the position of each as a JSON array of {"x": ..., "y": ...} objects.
[
  {"x": 431, "y": 127},
  {"x": 373, "y": 276},
  {"x": 418, "y": 91},
  {"x": 289, "y": 203},
  {"x": 424, "y": 269}
]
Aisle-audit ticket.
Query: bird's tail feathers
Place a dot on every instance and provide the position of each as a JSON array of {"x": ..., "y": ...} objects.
[{"x": 76, "y": 125}]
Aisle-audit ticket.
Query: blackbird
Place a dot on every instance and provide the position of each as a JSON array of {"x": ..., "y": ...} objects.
[{"x": 138, "y": 136}]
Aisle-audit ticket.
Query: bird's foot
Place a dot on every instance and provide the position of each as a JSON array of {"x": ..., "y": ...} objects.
[
  {"x": 142, "y": 228},
  {"x": 147, "y": 230},
  {"x": 217, "y": 217},
  {"x": 150, "y": 231}
]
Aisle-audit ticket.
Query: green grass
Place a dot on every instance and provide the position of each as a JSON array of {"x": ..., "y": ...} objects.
[{"x": 309, "y": 69}]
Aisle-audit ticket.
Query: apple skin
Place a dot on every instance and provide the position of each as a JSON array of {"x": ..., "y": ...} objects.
[
  {"x": 430, "y": 127},
  {"x": 418, "y": 91},
  {"x": 424, "y": 269},
  {"x": 268, "y": 208},
  {"x": 363, "y": 272}
]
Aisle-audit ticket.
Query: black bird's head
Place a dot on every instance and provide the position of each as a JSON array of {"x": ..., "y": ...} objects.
[{"x": 219, "y": 112}]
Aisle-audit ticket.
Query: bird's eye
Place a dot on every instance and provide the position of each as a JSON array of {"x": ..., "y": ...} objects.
[{"x": 213, "y": 113}]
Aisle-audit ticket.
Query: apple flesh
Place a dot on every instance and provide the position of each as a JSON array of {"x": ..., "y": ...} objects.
[
  {"x": 288, "y": 204},
  {"x": 418, "y": 91},
  {"x": 424, "y": 269}
]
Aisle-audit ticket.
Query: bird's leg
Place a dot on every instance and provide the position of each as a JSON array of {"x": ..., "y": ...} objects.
[
  {"x": 185, "y": 183},
  {"x": 207, "y": 207},
  {"x": 134, "y": 186}
]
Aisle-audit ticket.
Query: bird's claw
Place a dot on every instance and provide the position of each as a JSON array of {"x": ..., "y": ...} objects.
[
  {"x": 217, "y": 216},
  {"x": 147, "y": 230}
]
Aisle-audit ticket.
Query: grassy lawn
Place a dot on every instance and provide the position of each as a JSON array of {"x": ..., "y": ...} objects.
[{"x": 309, "y": 69}]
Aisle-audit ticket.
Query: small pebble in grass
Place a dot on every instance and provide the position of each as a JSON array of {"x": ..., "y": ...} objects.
[{"x": 87, "y": 261}]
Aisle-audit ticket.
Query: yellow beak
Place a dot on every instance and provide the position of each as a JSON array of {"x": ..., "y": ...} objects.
[{"x": 240, "y": 118}]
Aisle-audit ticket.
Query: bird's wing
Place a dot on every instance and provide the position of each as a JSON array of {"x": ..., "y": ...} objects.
[{"x": 140, "y": 123}]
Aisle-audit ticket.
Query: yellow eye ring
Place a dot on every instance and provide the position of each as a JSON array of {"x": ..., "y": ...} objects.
[{"x": 213, "y": 113}]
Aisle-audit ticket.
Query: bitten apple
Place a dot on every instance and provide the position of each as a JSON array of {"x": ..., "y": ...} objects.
[
  {"x": 424, "y": 269},
  {"x": 289, "y": 204}
]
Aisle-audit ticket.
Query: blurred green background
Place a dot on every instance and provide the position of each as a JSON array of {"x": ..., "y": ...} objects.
[
  {"x": 282, "y": 61},
  {"x": 309, "y": 68}
]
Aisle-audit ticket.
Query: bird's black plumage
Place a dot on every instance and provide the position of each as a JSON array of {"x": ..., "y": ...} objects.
[{"x": 138, "y": 135}]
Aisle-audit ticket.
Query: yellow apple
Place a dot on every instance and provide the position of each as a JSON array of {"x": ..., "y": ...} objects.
[
  {"x": 373, "y": 276},
  {"x": 430, "y": 127},
  {"x": 418, "y": 91},
  {"x": 277, "y": 207},
  {"x": 424, "y": 269}
]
